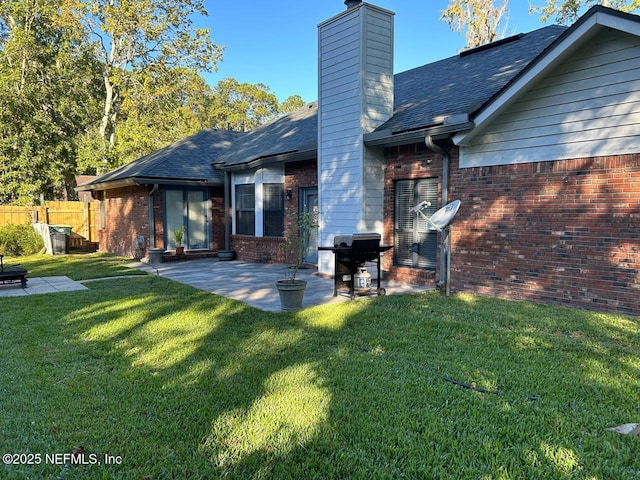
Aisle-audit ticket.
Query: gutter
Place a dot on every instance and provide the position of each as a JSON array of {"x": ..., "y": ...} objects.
[
  {"x": 306, "y": 152},
  {"x": 138, "y": 181},
  {"x": 446, "y": 160},
  {"x": 387, "y": 138},
  {"x": 152, "y": 223}
]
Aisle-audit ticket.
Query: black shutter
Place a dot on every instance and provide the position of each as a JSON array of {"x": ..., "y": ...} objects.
[
  {"x": 273, "y": 213},
  {"x": 414, "y": 244}
]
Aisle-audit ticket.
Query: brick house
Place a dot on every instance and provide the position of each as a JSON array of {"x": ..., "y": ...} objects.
[
  {"x": 536, "y": 134},
  {"x": 158, "y": 193}
]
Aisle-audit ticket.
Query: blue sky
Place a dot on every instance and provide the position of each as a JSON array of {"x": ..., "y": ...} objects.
[{"x": 274, "y": 42}]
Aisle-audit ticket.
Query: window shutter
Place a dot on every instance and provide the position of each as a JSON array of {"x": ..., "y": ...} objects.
[
  {"x": 273, "y": 209},
  {"x": 414, "y": 244}
]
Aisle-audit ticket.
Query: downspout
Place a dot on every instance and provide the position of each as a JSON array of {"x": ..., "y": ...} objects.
[
  {"x": 227, "y": 206},
  {"x": 152, "y": 220},
  {"x": 428, "y": 140}
]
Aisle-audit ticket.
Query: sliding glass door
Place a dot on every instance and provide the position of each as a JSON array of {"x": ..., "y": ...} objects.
[{"x": 188, "y": 208}]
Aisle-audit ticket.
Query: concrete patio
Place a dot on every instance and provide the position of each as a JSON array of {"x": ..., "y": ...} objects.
[
  {"x": 254, "y": 283},
  {"x": 39, "y": 285}
]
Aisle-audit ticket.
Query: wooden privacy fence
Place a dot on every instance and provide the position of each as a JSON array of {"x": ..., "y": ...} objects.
[{"x": 80, "y": 216}]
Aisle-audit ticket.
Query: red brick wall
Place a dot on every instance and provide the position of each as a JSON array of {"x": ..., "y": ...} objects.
[
  {"x": 217, "y": 218},
  {"x": 257, "y": 249},
  {"x": 127, "y": 216},
  {"x": 564, "y": 232},
  {"x": 267, "y": 249},
  {"x": 403, "y": 163}
]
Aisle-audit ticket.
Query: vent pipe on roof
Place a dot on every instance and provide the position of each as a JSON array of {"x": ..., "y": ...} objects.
[{"x": 352, "y": 3}]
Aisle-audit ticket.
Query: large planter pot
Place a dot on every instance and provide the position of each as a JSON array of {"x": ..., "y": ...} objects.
[
  {"x": 291, "y": 293},
  {"x": 226, "y": 255},
  {"x": 155, "y": 255}
]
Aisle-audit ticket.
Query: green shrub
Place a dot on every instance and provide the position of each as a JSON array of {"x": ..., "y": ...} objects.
[{"x": 19, "y": 240}]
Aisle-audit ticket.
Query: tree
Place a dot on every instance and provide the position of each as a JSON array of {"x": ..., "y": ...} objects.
[
  {"x": 129, "y": 36},
  {"x": 568, "y": 11},
  {"x": 291, "y": 103},
  {"x": 241, "y": 106},
  {"x": 47, "y": 96},
  {"x": 480, "y": 18}
]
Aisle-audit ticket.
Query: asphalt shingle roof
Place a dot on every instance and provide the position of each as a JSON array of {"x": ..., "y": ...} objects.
[
  {"x": 463, "y": 83},
  {"x": 424, "y": 97},
  {"x": 189, "y": 159},
  {"x": 288, "y": 134}
]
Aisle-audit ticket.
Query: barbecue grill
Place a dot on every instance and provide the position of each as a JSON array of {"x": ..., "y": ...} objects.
[{"x": 351, "y": 252}]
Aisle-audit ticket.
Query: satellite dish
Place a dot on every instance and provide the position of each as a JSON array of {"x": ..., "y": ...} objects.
[{"x": 443, "y": 217}]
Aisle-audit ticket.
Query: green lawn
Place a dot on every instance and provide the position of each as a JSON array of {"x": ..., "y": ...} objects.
[{"x": 172, "y": 382}]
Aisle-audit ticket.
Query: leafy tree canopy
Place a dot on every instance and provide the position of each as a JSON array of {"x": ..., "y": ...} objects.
[
  {"x": 129, "y": 36},
  {"x": 88, "y": 85},
  {"x": 567, "y": 11},
  {"x": 481, "y": 19},
  {"x": 47, "y": 96}
]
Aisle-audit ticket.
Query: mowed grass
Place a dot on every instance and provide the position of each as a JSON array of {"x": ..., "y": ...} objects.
[{"x": 172, "y": 382}]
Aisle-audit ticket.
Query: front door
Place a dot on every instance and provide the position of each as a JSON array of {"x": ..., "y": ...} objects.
[
  {"x": 188, "y": 208},
  {"x": 309, "y": 203}
]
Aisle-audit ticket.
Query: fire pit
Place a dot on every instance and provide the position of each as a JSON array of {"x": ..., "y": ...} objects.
[{"x": 12, "y": 274}]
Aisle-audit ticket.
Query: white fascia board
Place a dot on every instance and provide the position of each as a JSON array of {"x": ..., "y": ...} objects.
[{"x": 588, "y": 28}]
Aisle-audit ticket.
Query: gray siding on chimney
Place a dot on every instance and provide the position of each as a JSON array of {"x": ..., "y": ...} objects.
[{"x": 355, "y": 96}]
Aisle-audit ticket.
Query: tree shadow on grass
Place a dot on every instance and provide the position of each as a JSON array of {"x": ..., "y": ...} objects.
[{"x": 184, "y": 384}]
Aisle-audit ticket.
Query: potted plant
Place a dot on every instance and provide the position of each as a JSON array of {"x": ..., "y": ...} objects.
[
  {"x": 178, "y": 235},
  {"x": 296, "y": 236},
  {"x": 226, "y": 255}
]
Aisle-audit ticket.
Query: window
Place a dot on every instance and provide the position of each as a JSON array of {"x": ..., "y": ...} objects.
[
  {"x": 414, "y": 244},
  {"x": 273, "y": 214},
  {"x": 245, "y": 209}
]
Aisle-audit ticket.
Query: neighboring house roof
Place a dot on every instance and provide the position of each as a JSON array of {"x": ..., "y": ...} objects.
[{"x": 185, "y": 162}]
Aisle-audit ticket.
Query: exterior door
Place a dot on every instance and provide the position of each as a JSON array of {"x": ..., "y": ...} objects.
[
  {"x": 309, "y": 203},
  {"x": 188, "y": 208}
]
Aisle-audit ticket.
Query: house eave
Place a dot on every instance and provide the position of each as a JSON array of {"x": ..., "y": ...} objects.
[
  {"x": 138, "y": 181},
  {"x": 308, "y": 152},
  {"x": 386, "y": 138},
  {"x": 597, "y": 18}
]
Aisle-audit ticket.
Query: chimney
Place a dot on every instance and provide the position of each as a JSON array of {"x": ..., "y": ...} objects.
[{"x": 355, "y": 83}]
